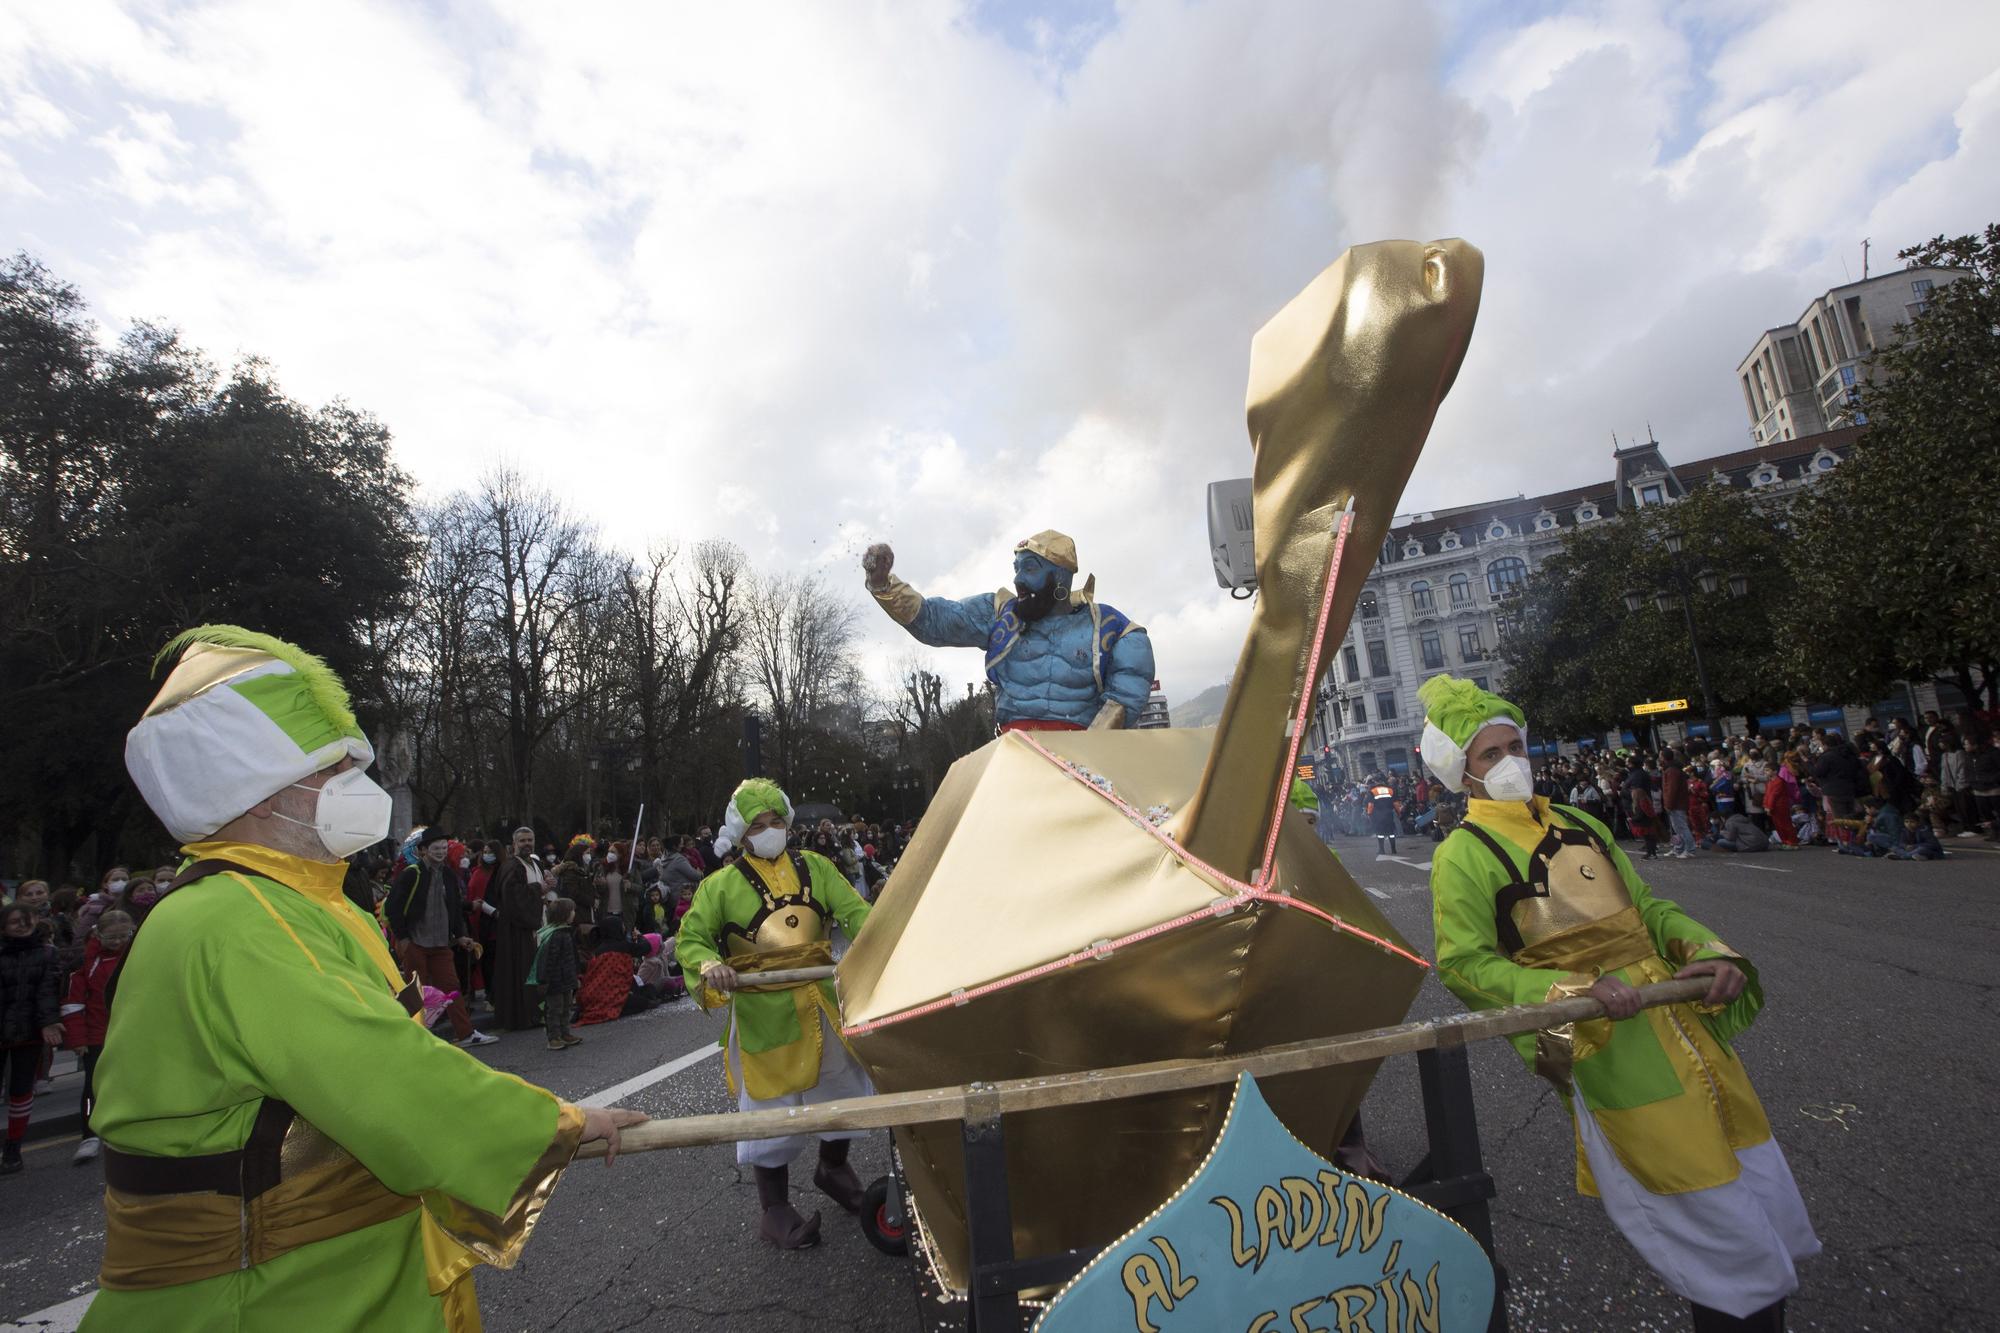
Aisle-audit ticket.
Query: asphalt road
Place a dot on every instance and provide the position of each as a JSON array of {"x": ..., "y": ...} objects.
[{"x": 1874, "y": 1057}]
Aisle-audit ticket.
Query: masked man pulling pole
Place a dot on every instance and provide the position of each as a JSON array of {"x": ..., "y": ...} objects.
[
  {"x": 284, "y": 1147},
  {"x": 774, "y": 910},
  {"x": 1535, "y": 902},
  {"x": 1058, "y": 659}
]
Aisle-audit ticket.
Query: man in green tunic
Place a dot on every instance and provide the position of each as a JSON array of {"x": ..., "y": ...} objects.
[
  {"x": 1535, "y": 902},
  {"x": 284, "y": 1147},
  {"x": 771, "y": 911}
]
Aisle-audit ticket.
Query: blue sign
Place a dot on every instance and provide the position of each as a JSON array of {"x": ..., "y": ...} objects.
[{"x": 1270, "y": 1237}]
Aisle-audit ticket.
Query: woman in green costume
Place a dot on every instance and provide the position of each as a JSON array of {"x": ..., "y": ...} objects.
[
  {"x": 284, "y": 1147},
  {"x": 774, "y": 910},
  {"x": 1534, "y": 902}
]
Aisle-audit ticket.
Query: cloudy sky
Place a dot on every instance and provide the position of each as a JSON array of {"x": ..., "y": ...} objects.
[{"x": 947, "y": 272}]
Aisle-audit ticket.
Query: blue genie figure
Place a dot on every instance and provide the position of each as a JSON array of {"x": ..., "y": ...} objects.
[{"x": 1059, "y": 659}]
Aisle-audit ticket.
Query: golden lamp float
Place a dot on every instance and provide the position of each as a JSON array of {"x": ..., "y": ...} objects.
[{"x": 1077, "y": 900}]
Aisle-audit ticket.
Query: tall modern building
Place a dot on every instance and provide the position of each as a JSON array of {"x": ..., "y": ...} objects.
[
  {"x": 1803, "y": 378},
  {"x": 1429, "y": 605}
]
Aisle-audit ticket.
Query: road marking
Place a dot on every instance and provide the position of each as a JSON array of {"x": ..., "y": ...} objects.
[
  {"x": 64, "y": 1318},
  {"x": 1404, "y": 860},
  {"x": 1377, "y": 892},
  {"x": 659, "y": 1073},
  {"x": 1774, "y": 870}
]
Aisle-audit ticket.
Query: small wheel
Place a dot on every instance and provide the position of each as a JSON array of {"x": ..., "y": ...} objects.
[{"x": 887, "y": 1234}]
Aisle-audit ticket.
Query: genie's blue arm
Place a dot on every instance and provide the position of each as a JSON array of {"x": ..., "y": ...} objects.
[
  {"x": 1130, "y": 679},
  {"x": 945, "y": 623}
]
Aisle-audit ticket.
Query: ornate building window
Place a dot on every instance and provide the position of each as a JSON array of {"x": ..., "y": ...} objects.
[
  {"x": 1422, "y": 601},
  {"x": 1370, "y": 608},
  {"x": 1505, "y": 574},
  {"x": 1431, "y": 646},
  {"x": 1461, "y": 590}
]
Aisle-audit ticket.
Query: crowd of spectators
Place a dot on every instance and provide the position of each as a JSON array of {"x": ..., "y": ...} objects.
[
  {"x": 1901, "y": 791},
  {"x": 604, "y": 918}
]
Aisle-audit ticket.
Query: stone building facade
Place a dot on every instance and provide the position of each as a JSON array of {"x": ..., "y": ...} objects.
[{"x": 1430, "y": 603}]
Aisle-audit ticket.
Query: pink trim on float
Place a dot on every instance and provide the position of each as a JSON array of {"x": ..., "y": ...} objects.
[
  {"x": 1306, "y": 692},
  {"x": 1243, "y": 895}
]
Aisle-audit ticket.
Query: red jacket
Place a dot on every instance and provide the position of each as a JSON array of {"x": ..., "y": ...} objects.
[
  {"x": 1673, "y": 788},
  {"x": 87, "y": 1011}
]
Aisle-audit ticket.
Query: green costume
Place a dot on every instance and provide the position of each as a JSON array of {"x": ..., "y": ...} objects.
[
  {"x": 777, "y": 1032},
  {"x": 285, "y": 1146},
  {"x": 1534, "y": 902},
  {"x": 1656, "y": 1082}
]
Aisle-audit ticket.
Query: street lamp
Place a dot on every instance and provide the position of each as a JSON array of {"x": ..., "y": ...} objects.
[{"x": 1709, "y": 581}]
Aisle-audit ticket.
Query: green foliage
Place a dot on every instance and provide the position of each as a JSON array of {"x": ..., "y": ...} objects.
[
  {"x": 1895, "y": 556},
  {"x": 142, "y": 492},
  {"x": 1578, "y": 659}
]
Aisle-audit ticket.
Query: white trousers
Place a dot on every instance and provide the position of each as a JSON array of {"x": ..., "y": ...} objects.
[
  {"x": 1731, "y": 1247},
  {"x": 840, "y": 1077}
]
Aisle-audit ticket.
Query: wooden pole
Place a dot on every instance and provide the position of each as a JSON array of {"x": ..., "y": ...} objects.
[
  {"x": 930, "y": 1105},
  {"x": 793, "y": 976}
]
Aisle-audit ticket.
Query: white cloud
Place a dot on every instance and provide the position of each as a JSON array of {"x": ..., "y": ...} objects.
[{"x": 811, "y": 276}]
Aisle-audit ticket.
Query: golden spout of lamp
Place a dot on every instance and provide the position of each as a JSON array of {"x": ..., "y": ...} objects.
[
  {"x": 1077, "y": 900},
  {"x": 1344, "y": 383}
]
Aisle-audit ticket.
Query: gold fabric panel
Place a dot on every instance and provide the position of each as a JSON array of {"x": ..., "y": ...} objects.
[
  {"x": 1604, "y": 945},
  {"x": 900, "y": 600},
  {"x": 1584, "y": 886},
  {"x": 165, "y": 1240},
  {"x": 498, "y": 1239}
]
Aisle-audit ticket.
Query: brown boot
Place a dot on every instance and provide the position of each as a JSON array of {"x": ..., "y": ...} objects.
[
  {"x": 835, "y": 1178},
  {"x": 781, "y": 1224}
]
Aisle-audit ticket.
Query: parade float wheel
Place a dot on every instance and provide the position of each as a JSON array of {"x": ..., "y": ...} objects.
[{"x": 887, "y": 1234}]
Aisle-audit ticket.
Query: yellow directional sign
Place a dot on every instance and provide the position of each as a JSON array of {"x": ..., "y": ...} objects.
[{"x": 1660, "y": 706}]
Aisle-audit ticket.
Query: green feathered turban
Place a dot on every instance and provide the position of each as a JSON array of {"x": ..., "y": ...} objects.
[
  {"x": 752, "y": 798},
  {"x": 241, "y": 717},
  {"x": 1454, "y": 712}
]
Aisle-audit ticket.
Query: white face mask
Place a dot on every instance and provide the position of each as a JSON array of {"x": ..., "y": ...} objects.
[
  {"x": 769, "y": 844},
  {"x": 464, "y": 862},
  {"x": 1509, "y": 780},
  {"x": 488, "y": 858},
  {"x": 117, "y": 885},
  {"x": 351, "y": 813}
]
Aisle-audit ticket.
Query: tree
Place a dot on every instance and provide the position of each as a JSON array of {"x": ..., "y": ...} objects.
[
  {"x": 1895, "y": 550},
  {"x": 538, "y": 584},
  {"x": 938, "y": 728},
  {"x": 800, "y": 649},
  {"x": 142, "y": 492},
  {"x": 1578, "y": 657}
]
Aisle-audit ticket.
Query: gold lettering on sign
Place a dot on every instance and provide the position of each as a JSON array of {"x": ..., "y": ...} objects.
[
  {"x": 1426, "y": 1316},
  {"x": 1178, "y": 1286},
  {"x": 1238, "y": 1251},
  {"x": 1351, "y": 1319},
  {"x": 1271, "y": 1219},
  {"x": 1329, "y": 1187},
  {"x": 1299, "y": 1312},
  {"x": 1144, "y": 1283},
  {"x": 1263, "y": 1323},
  {"x": 1307, "y": 1209}
]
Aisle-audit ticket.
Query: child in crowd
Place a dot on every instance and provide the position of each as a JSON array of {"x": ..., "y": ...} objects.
[
  {"x": 29, "y": 1020},
  {"x": 555, "y": 970},
  {"x": 1919, "y": 842},
  {"x": 86, "y": 1012}
]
